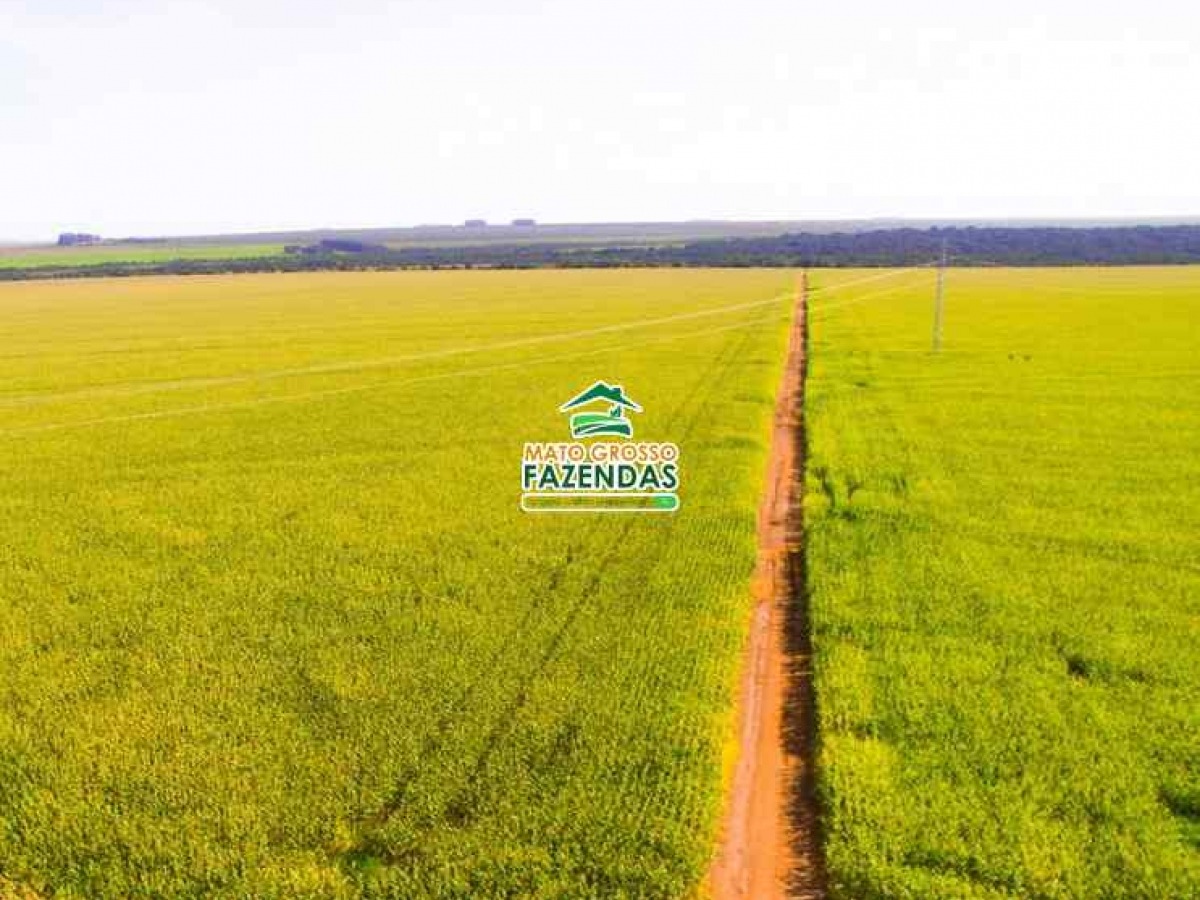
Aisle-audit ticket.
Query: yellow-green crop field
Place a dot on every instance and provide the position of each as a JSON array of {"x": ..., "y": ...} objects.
[
  {"x": 273, "y": 625},
  {"x": 1003, "y": 554}
]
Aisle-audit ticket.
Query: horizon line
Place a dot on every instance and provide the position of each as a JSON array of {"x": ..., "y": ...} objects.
[{"x": 482, "y": 224}]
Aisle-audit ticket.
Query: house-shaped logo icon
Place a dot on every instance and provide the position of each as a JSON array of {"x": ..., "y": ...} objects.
[{"x": 611, "y": 421}]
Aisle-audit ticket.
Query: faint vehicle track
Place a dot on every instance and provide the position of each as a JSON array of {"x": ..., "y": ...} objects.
[{"x": 461, "y": 807}]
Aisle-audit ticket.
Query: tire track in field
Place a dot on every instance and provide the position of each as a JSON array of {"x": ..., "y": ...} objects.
[
  {"x": 460, "y": 808},
  {"x": 770, "y": 844},
  {"x": 692, "y": 410},
  {"x": 463, "y": 806}
]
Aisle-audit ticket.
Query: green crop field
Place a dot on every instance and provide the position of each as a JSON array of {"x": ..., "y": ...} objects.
[
  {"x": 273, "y": 625},
  {"x": 49, "y": 257},
  {"x": 1003, "y": 553}
]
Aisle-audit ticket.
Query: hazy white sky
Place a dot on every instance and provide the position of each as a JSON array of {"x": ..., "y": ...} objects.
[{"x": 139, "y": 117}]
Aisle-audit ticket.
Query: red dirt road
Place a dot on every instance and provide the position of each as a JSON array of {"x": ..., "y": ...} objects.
[{"x": 769, "y": 846}]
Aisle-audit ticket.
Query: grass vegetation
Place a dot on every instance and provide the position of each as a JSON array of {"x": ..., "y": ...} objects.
[
  {"x": 272, "y": 624},
  {"x": 1003, "y": 554},
  {"x": 56, "y": 257}
]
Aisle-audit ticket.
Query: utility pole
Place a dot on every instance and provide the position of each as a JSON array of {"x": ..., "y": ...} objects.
[{"x": 939, "y": 301}]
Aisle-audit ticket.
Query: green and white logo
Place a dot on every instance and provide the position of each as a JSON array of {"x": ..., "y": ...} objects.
[
  {"x": 594, "y": 424},
  {"x": 588, "y": 475}
]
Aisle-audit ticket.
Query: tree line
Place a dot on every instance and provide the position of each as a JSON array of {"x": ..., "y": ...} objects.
[{"x": 966, "y": 246}]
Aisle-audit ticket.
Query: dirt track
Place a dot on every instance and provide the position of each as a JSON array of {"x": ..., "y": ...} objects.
[{"x": 769, "y": 845}]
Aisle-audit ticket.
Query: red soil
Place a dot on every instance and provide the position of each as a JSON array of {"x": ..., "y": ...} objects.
[{"x": 769, "y": 846}]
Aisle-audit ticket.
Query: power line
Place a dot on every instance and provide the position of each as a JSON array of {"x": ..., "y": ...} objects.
[
  {"x": 890, "y": 273},
  {"x": 375, "y": 385},
  {"x": 874, "y": 295},
  {"x": 383, "y": 362}
]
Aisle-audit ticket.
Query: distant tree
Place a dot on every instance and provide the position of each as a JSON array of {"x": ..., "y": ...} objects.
[{"x": 77, "y": 238}]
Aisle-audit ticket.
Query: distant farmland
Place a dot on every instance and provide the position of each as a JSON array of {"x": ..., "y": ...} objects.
[
  {"x": 1004, "y": 561},
  {"x": 49, "y": 257}
]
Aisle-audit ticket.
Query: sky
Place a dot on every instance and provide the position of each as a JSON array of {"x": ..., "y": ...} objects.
[{"x": 132, "y": 117}]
